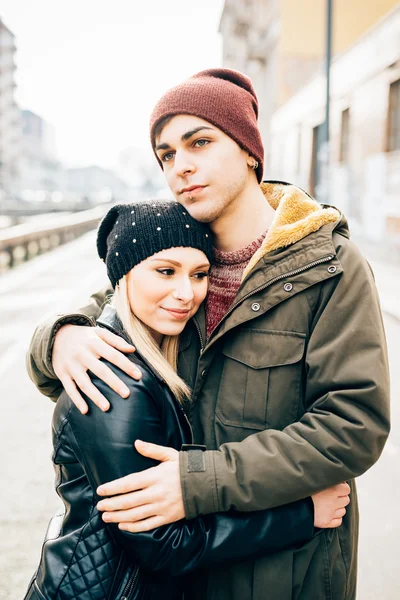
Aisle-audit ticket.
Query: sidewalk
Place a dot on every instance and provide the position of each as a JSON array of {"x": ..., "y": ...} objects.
[{"x": 387, "y": 278}]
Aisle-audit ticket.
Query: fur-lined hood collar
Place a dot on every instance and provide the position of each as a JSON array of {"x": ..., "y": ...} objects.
[{"x": 297, "y": 215}]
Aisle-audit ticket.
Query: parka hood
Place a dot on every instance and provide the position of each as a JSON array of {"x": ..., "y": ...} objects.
[{"x": 296, "y": 215}]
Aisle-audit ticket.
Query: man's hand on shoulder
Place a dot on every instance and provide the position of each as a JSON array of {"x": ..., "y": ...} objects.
[
  {"x": 78, "y": 350},
  {"x": 147, "y": 499}
]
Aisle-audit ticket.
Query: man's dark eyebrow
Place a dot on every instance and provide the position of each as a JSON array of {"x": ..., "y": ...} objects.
[
  {"x": 192, "y": 132},
  {"x": 163, "y": 147},
  {"x": 186, "y": 136}
]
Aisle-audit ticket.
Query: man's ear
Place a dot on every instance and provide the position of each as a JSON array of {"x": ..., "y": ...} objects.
[{"x": 252, "y": 162}]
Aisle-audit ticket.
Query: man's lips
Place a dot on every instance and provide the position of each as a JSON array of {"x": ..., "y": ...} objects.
[{"x": 192, "y": 189}]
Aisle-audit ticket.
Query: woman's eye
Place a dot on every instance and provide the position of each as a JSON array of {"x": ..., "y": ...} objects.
[
  {"x": 165, "y": 271},
  {"x": 201, "y": 143},
  {"x": 201, "y": 275},
  {"x": 167, "y": 157}
]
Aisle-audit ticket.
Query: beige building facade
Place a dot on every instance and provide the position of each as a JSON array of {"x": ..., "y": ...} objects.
[
  {"x": 280, "y": 44},
  {"x": 364, "y": 133}
]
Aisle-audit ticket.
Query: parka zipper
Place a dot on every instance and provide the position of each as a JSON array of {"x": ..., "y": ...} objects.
[
  {"x": 265, "y": 285},
  {"x": 130, "y": 586},
  {"x": 190, "y": 427},
  {"x": 200, "y": 336}
]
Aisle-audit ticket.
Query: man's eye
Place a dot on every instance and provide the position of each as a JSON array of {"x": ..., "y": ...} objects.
[
  {"x": 201, "y": 143},
  {"x": 165, "y": 271},
  {"x": 167, "y": 157}
]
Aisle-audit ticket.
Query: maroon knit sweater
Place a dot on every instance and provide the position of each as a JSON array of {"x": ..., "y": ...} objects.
[{"x": 225, "y": 277}]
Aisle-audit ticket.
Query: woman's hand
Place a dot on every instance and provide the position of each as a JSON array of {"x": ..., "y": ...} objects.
[
  {"x": 329, "y": 506},
  {"x": 79, "y": 349}
]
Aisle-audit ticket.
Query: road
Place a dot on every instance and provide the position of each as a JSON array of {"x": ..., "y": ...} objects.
[{"x": 64, "y": 279}]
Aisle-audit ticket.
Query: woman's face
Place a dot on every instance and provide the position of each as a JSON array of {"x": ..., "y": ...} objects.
[{"x": 166, "y": 289}]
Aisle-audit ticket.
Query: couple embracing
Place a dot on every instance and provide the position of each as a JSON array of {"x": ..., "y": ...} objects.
[{"x": 239, "y": 367}]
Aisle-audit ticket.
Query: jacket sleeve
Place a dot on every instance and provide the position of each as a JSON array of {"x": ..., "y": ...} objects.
[
  {"x": 104, "y": 444},
  {"x": 38, "y": 357},
  {"x": 346, "y": 420}
]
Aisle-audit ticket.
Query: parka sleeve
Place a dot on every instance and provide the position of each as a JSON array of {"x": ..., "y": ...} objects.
[
  {"x": 104, "y": 445},
  {"x": 346, "y": 421},
  {"x": 38, "y": 358}
]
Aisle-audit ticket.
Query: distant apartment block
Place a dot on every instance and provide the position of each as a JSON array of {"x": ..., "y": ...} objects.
[
  {"x": 96, "y": 184},
  {"x": 39, "y": 167},
  {"x": 10, "y": 126}
]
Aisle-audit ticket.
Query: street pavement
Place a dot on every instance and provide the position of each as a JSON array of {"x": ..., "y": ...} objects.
[{"x": 62, "y": 280}]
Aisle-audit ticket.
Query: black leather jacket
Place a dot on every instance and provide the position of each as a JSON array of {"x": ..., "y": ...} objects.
[{"x": 86, "y": 559}]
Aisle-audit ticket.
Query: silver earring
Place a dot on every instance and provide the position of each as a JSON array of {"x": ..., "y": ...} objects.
[{"x": 255, "y": 166}]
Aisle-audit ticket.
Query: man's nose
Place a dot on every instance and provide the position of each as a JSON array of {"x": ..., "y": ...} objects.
[{"x": 183, "y": 164}]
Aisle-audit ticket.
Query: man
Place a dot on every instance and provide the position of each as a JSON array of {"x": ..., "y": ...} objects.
[{"x": 287, "y": 361}]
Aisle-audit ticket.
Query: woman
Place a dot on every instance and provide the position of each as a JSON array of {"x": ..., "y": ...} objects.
[{"x": 157, "y": 260}]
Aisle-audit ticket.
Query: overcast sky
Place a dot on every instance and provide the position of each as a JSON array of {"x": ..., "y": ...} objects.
[{"x": 95, "y": 68}]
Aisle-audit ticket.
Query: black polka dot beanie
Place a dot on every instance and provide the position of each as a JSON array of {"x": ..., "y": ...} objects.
[{"x": 130, "y": 233}]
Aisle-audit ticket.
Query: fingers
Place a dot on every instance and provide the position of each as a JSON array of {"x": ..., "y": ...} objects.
[
  {"x": 83, "y": 381},
  {"x": 104, "y": 373},
  {"x": 72, "y": 391},
  {"x": 112, "y": 352},
  {"x": 78, "y": 350},
  {"x": 343, "y": 489},
  {"x": 130, "y": 516},
  {"x": 162, "y": 453},
  {"x": 130, "y": 483},
  {"x": 122, "y": 362},
  {"x": 125, "y": 502},
  {"x": 114, "y": 340},
  {"x": 335, "y": 523},
  {"x": 344, "y": 501},
  {"x": 141, "y": 526}
]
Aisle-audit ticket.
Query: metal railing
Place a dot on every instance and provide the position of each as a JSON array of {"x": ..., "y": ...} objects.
[{"x": 22, "y": 242}]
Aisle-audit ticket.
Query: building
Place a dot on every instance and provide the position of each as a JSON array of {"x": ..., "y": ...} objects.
[
  {"x": 10, "y": 125},
  {"x": 280, "y": 44},
  {"x": 141, "y": 172},
  {"x": 364, "y": 133},
  {"x": 95, "y": 184},
  {"x": 39, "y": 168}
]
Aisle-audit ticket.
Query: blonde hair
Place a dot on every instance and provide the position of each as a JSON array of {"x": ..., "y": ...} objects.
[{"x": 163, "y": 359}]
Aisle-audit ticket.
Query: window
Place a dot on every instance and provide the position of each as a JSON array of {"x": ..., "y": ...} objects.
[
  {"x": 345, "y": 136},
  {"x": 394, "y": 117}
]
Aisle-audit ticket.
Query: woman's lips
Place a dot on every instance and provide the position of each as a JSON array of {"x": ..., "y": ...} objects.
[{"x": 180, "y": 315}]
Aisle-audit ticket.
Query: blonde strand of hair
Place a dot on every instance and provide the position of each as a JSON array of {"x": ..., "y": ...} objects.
[{"x": 163, "y": 360}]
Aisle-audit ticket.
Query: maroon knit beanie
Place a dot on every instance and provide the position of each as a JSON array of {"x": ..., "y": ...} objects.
[{"x": 223, "y": 97}]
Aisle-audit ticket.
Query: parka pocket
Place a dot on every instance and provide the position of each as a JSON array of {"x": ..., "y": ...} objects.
[{"x": 261, "y": 377}]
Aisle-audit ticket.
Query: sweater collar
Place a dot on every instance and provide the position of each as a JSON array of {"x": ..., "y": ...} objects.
[{"x": 236, "y": 257}]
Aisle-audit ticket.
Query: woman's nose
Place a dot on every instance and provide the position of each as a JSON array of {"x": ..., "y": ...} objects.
[{"x": 184, "y": 291}]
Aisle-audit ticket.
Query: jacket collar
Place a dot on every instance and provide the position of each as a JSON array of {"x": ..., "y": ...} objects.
[
  {"x": 296, "y": 215},
  {"x": 111, "y": 321}
]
